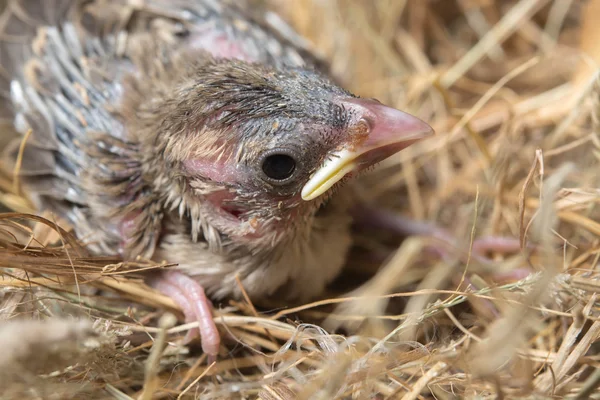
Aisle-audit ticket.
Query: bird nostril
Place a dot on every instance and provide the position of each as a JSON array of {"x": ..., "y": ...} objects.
[
  {"x": 360, "y": 131},
  {"x": 363, "y": 127}
]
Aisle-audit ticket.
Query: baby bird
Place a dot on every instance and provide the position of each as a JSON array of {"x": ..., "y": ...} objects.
[{"x": 195, "y": 132}]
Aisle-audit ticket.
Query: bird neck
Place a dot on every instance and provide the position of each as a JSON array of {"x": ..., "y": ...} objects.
[{"x": 295, "y": 266}]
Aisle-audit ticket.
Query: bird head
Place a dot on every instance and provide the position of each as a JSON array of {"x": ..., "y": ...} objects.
[{"x": 253, "y": 151}]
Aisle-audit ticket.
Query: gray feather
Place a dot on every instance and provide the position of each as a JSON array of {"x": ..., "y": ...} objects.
[{"x": 62, "y": 63}]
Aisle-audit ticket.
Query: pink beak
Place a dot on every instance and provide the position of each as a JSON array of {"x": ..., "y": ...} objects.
[{"x": 389, "y": 131}]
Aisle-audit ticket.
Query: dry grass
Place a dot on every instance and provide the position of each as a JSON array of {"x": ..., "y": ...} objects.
[{"x": 511, "y": 89}]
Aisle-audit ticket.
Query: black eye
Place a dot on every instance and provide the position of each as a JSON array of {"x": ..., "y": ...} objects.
[{"x": 279, "y": 167}]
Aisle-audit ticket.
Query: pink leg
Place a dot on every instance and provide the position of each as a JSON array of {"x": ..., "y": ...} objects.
[
  {"x": 366, "y": 216},
  {"x": 190, "y": 296},
  {"x": 496, "y": 243}
]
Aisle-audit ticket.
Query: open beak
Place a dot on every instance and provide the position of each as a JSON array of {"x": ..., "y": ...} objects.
[{"x": 390, "y": 131}]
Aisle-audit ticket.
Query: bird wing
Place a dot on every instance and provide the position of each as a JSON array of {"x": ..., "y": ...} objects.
[
  {"x": 62, "y": 63},
  {"x": 56, "y": 84}
]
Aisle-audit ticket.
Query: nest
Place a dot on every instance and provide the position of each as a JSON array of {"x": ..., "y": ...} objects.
[{"x": 511, "y": 89}]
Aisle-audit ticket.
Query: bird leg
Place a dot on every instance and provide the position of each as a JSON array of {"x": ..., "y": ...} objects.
[
  {"x": 190, "y": 296},
  {"x": 381, "y": 219}
]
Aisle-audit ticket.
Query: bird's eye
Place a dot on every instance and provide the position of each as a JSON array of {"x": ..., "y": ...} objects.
[{"x": 279, "y": 167}]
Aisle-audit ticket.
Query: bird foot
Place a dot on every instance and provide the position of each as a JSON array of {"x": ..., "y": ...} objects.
[
  {"x": 480, "y": 247},
  {"x": 381, "y": 219},
  {"x": 190, "y": 296}
]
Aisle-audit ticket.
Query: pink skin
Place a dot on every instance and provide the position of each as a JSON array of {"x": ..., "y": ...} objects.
[
  {"x": 497, "y": 244},
  {"x": 190, "y": 296},
  {"x": 219, "y": 45},
  {"x": 407, "y": 227},
  {"x": 187, "y": 293}
]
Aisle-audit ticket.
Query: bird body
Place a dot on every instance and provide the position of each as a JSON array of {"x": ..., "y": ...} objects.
[{"x": 191, "y": 131}]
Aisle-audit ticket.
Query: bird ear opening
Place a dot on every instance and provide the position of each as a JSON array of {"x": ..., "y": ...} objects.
[
  {"x": 233, "y": 211},
  {"x": 229, "y": 215}
]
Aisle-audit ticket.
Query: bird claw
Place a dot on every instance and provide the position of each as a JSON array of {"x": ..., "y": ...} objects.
[{"x": 190, "y": 296}]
